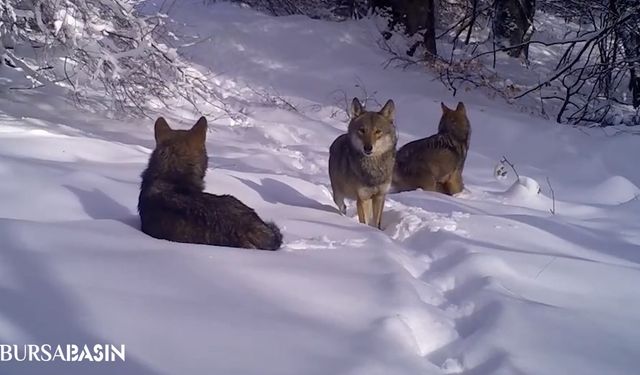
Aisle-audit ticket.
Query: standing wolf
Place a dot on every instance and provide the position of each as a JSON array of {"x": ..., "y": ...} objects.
[
  {"x": 173, "y": 206},
  {"x": 361, "y": 161},
  {"x": 435, "y": 163}
]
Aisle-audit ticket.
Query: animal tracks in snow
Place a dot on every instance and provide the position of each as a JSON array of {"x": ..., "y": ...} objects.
[
  {"x": 401, "y": 222},
  {"x": 443, "y": 283},
  {"x": 323, "y": 242}
]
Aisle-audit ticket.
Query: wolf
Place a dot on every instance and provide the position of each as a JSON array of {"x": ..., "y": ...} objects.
[
  {"x": 173, "y": 205},
  {"x": 436, "y": 163},
  {"x": 361, "y": 161}
]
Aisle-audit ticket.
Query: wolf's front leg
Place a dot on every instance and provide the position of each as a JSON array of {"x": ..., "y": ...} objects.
[
  {"x": 364, "y": 210},
  {"x": 378, "y": 207},
  {"x": 454, "y": 185}
]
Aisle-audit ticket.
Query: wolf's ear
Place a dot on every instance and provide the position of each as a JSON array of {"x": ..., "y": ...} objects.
[
  {"x": 444, "y": 107},
  {"x": 198, "y": 132},
  {"x": 460, "y": 108},
  {"x": 161, "y": 130},
  {"x": 388, "y": 110},
  {"x": 356, "y": 108}
]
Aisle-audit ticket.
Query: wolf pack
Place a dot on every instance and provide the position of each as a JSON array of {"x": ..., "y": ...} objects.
[{"x": 364, "y": 165}]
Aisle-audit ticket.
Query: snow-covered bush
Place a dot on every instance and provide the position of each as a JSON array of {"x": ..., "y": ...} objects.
[
  {"x": 596, "y": 74},
  {"x": 585, "y": 67},
  {"x": 100, "y": 44}
]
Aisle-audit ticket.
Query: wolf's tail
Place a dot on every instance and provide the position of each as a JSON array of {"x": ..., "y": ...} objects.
[
  {"x": 276, "y": 240},
  {"x": 269, "y": 238}
]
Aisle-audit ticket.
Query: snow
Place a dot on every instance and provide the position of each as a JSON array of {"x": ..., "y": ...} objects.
[{"x": 486, "y": 282}]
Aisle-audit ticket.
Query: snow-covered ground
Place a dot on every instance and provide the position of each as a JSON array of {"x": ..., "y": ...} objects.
[{"x": 488, "y": 282}]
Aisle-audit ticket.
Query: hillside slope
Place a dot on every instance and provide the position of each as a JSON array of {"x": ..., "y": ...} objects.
[{"x": 488, "y": 282}]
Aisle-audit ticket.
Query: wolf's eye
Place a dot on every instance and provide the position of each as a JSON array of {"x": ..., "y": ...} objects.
[
  {"x": 378, "y": 132},
  {"x": 361, "y": 130}
]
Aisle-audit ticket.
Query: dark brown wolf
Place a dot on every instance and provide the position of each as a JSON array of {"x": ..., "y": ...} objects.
[
  {"x": 435, "y": 163},
  {"x": 173, "y": 205}
]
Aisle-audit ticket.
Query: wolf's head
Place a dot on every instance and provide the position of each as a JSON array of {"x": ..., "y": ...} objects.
[
  {"x": 180, "y": 154},
  {"x": 372, "y": 133},
  {"x": 455, "y": 123}
]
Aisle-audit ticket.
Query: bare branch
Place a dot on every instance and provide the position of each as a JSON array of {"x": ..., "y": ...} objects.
[
  {"x": 507, "y": 162},
  {"x": 553, "y": 197}
]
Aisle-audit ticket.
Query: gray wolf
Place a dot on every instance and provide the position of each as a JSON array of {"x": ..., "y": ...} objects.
[
  {"x": 173, "y": 205},
  {"x": 361, "y": 161},
  {"x": 436, "y": 163}
]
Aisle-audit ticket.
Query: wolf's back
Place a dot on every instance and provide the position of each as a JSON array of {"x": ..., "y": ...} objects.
[{"x": 204, "y": 218}]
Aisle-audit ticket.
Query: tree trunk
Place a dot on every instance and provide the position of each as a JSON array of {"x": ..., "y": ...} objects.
[
  {"x": 629, "y": 34},
  {"x": 431, "y": 52},
  {"x": 513, "y": 24},
  {"x": 634, "y": 87},
  {"x": 416, "y": 16},
  {"x": 474, "y": 14}
]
